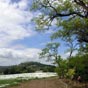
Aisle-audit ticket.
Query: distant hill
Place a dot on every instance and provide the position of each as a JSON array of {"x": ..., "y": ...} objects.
[{"x": 26, "y": 67}]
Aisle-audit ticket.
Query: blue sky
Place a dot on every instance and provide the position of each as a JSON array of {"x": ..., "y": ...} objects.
[{"x": 19, "y": 42}]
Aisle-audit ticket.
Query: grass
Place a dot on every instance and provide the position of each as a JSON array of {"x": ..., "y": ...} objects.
[
  {"x": 6, "y": 83},
  {"x": 10, "y": 82}
]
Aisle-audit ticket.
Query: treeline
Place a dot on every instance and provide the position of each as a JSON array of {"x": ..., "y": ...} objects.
[
  {"x": 26, "y": 67},
  {"x": 74, "y": 67}
]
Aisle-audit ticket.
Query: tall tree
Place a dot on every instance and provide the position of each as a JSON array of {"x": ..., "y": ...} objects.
[
  {"x": 70, "y": 17},
  {"x": 51, "y": 52}
]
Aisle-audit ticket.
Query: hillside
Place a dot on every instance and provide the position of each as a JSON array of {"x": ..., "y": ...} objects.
[{"x": 26, "y": 67}]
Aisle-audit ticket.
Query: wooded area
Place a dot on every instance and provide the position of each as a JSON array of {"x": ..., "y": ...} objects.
[{"x": 70, "y": 21}]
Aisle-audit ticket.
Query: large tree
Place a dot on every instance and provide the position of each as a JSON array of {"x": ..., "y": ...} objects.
[
  {"x": 69, "y": 16},
  {"x": 70, "y": 21}
]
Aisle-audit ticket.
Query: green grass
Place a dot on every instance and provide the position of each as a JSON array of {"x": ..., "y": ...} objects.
[{"x": 11, "y": 82}]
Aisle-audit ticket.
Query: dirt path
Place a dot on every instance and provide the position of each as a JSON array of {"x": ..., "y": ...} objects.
[{"x": 42, "y": 83}]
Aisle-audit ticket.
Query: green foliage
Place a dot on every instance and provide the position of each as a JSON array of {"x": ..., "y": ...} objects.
[
  {"x": 71, "y": 18},
  {"x": 27, "y": 67},
  {"x": 61, "y": 68},
  {"x": 50, "y": 51},
  {"x": 70, "y": 73},
  {"x": 83, "y": 49},
  {"x": 73, "y": 67},
  {"x": 71, "y": 21},
  {"x": 80, "y": 64},
  {"x": 6, "y": 83}
]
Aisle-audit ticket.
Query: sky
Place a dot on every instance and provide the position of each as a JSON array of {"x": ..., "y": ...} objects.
[{"x": 19, "y": 42}]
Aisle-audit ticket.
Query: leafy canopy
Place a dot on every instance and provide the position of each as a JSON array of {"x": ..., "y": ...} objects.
[
  {"x": 69, "y": 16},
  {"x": 50, "y": 51}
]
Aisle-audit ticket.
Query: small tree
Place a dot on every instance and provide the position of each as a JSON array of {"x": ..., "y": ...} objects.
[
  {"x": 50, "y": 51},
  {"x": 61, "y": 68}
]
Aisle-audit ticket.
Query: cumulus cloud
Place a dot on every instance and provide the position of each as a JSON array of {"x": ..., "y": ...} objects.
[
  {"x": 12, "y": 18},
  {"x": 15, "y": 25},
  {"x": 23, "y": 4},
  {"x": 12, "y": 56}
]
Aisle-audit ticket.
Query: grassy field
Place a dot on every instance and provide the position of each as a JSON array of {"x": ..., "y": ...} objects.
[{"x": 10, "y": 82}]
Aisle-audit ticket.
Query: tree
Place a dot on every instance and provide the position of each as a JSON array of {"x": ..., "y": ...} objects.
[
  {"x": 50, "y": 51},
  {"x": 80, "y": 64},
  {"x": 72, "y": 46},
  {"x": 70, "y": 16},
  {"x": 62, "y": 67},
  {"x": 83, "y": 49}
]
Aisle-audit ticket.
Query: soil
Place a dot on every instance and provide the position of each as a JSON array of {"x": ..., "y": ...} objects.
[
  {"x": 51, "y": 83},
  {"x": 42, "y": 83}
]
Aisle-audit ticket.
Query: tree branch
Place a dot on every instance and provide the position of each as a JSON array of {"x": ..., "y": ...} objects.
[
  {"x": 68, "y": 14},
  {"x": 57, "y": 14},
  {"x": 81, "y": 3}
]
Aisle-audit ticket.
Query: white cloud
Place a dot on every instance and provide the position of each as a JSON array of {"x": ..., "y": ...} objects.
[
  {"x": 23, "y": 4},
  {"x": 12, "y": 56},
  {"x": 66, "y": 55},
  {"x": 12, "y": 19},
  {"x": 49, "y": 32}
]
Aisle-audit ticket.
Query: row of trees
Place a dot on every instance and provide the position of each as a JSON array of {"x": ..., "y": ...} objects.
[
  {"x": 69, "y": 18},
  {"x": 26, "y": 67}
]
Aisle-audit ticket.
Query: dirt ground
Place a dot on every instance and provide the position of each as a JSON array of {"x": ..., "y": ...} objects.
[
  {"x": 42, "y": 83},
  {"x": 51, "y": 83}
]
